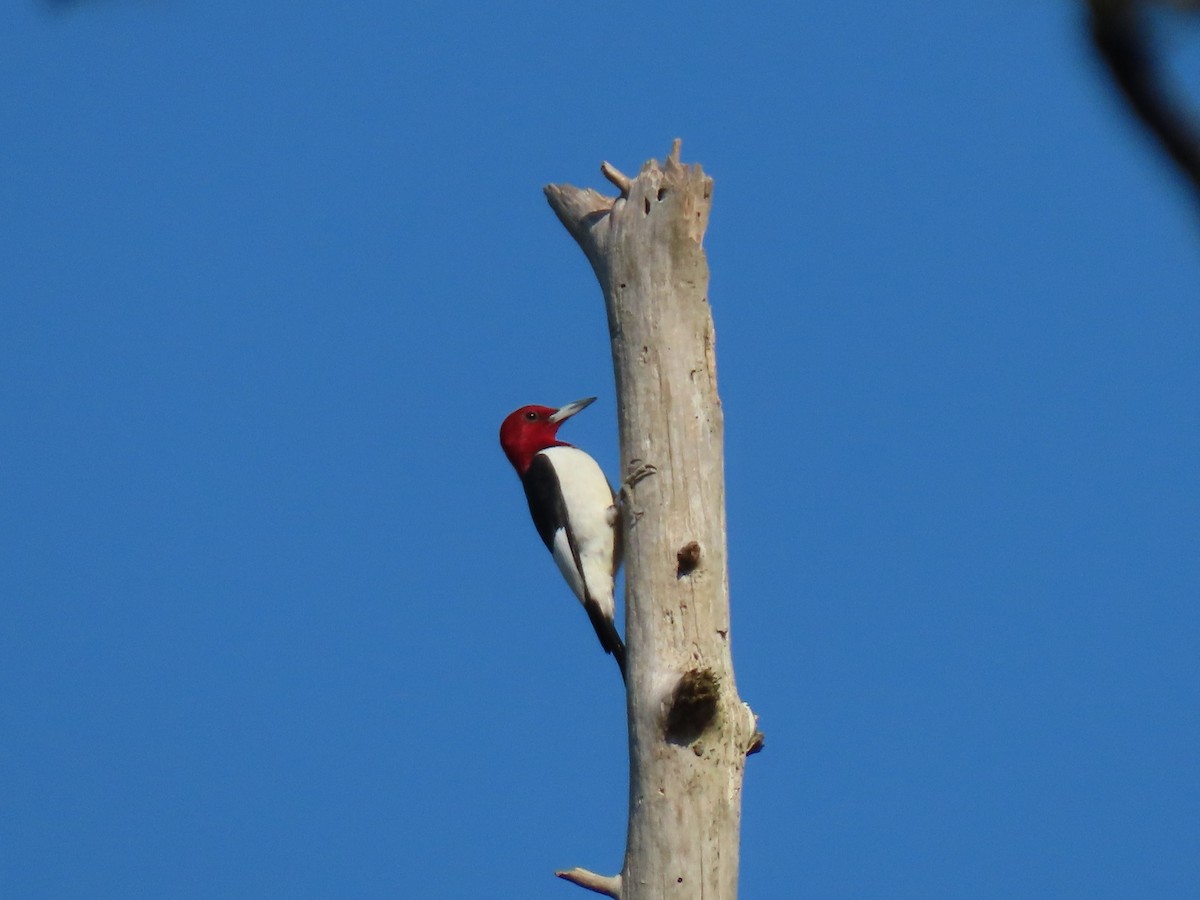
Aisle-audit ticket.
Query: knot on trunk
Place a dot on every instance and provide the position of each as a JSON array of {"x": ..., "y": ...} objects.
[
  {"x": 687, "y": 559},
  {"x": 693, "y": 705}
]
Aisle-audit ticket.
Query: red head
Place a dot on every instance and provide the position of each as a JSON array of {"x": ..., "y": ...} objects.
[{"x": 533, "y": 428}]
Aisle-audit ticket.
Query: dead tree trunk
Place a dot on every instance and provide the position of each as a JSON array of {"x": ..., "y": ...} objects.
[{"x": 689, "y": 732}]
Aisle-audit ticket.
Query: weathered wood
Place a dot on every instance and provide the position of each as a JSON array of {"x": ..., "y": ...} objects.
[{"x": 688, "y": 729}]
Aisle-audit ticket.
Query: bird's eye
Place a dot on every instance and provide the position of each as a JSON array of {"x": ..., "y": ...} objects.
[{"x": 531, "y": 416}]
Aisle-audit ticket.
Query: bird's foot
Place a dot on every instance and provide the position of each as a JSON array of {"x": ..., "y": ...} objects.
[{"x": 639, "y": 470}]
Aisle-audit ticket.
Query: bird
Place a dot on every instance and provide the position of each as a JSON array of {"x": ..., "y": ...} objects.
[{"x": 574, "y": 510}]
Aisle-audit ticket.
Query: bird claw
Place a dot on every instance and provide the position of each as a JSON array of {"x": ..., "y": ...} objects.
[{"x": 638, "y": 471}]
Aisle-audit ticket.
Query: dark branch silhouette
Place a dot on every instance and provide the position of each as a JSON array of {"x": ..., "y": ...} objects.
[{"x": 1119, "y": 34}]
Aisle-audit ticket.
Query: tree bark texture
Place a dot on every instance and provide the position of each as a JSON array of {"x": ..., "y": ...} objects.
[{"x": 689, "y": 732}]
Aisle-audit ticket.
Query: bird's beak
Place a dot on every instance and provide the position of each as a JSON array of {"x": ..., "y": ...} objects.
[{"x": 565, "y": 412}]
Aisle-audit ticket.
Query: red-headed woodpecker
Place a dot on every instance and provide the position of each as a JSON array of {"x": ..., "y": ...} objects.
[{"x": 573, "y": 508}]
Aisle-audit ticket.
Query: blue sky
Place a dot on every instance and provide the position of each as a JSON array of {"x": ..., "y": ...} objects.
[{"x": 273, "y": 620}]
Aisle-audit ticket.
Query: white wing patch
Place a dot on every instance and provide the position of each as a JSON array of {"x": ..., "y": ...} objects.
[
  {"x": 588, "y": 500},
  {"x": 561, "y": 550}
]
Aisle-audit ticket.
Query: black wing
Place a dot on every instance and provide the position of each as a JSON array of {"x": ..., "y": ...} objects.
[
  {"x": 549, "y": 513},
  {"x": 545, "y": 499}
]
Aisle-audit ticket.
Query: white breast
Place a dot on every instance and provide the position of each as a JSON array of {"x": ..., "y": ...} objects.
[{"x": 588, "y": 500}]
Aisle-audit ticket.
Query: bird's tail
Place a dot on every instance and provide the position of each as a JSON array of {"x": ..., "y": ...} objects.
[{"x": 606, "y": 630}]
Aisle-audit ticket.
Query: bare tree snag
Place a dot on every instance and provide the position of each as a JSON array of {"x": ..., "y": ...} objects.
[{"x": 689, "y": 732}]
